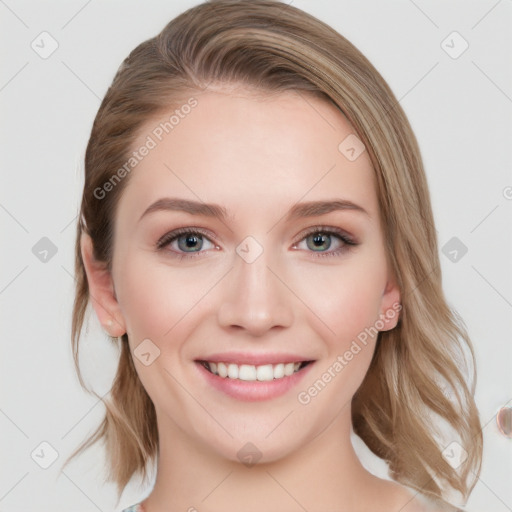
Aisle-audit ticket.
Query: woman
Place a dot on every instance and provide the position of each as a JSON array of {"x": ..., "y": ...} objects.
[{"x": 256, "y": 234}]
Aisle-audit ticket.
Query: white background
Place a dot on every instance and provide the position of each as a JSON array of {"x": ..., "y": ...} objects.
[{"x": 460, "y": 110}]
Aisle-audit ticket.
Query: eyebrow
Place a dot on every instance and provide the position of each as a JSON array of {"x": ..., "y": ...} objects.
[
  {"x": 315, "y": 208},
  {"x": 187, "y": 206},
  {"x": 299, "y": 210}
]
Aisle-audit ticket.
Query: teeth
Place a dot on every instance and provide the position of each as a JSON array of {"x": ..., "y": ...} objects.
[
  {"x": 222, "y": 369},
  {"x": 279, "y": 371},
  {"x": 249, "y": 372},
  {"x": 265, "y": 372},
  {"x": 233, "y": 371},
  {"x": 290, "y": 368}
]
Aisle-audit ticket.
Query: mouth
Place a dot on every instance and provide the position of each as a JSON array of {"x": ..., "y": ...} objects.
[{"x": 254, "y": 373}]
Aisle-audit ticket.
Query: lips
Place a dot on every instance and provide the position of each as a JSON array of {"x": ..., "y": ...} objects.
[
  {"x": 238, "y": 367},
  {"x": 253, "y": 377}
]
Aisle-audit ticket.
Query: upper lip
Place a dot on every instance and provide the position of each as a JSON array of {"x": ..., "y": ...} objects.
[{"x": 254, "y": 359}]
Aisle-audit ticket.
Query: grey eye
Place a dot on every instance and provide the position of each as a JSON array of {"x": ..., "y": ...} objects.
[
  {"x": 190, "y": 242},
  {"x": 318, "y": 240}
]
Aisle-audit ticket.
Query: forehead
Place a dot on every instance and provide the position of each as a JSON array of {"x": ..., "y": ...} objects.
[{"x": 242, "y": 148}]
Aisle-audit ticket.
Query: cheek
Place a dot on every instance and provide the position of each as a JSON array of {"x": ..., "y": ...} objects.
[
  {"x": 347, "y": 299},
  {"x": 156, "y": 299},
  {"x": 141, "y": 300}
]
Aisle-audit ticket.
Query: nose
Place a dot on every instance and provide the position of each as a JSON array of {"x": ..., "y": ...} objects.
[{"x": 254, "y": 298}]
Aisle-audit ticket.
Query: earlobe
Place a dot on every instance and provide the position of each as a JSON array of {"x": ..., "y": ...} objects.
[{"x": 101, "y": 290}]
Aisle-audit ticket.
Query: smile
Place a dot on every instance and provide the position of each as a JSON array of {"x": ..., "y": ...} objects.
[{"x": 249, "y": 372}]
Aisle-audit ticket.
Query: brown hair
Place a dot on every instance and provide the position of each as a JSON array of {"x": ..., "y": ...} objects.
[{"x": 417, "y": 377}]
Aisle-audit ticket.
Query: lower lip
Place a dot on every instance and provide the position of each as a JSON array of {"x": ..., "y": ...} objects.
[{"x": 254, "y": 391}]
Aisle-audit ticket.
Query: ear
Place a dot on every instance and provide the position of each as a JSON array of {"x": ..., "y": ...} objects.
[
  {"x": 101, "y": 290},
  {"x": 390, "y": 305}
]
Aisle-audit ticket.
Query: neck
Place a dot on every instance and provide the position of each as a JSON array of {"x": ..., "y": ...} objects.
[{"x": 323, "y": 474}]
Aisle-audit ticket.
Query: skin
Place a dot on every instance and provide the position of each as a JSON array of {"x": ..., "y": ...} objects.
[{"x": 255, "y": 155}]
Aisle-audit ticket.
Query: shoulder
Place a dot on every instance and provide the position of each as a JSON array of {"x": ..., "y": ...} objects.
[
  {"x": 134, "y": 508},
  {"x": 405, "y": 499}
]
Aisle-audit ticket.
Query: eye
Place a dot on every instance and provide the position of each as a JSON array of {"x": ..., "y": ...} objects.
[
  {"x": 325, "y": 241},
  {"x": 192, "y": 242},
  {"x": 320, "y": 241},
  {"x": 185, "y": 241}
]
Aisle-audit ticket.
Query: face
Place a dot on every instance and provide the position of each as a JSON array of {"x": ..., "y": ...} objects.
[{"x": 248, "y": 242}]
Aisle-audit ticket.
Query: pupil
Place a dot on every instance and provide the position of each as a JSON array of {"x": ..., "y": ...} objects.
[
  {"x": 320, "y": 241},
  {"x": 191, "y": 240},
  {"x": 188, "y": 242}
]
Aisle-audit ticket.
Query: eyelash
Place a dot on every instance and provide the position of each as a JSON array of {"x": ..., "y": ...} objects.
[
  {"x": 173, "y": 235},
  {"x": 348, "y": 242}
]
